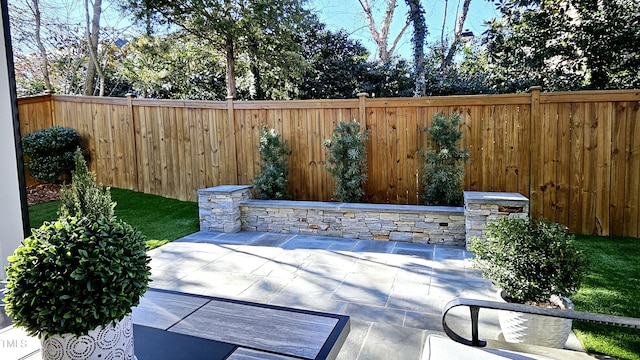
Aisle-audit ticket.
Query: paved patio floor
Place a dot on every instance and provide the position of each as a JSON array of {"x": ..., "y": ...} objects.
[{"x": 394, "y": 292}]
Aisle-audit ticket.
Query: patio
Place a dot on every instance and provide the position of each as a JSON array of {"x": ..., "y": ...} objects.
[{"x": 393, "y": 292}]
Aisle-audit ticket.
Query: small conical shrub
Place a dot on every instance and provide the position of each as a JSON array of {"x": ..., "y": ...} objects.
[
  {"x": 271, "y": 183},
  {"x": 86, "y": 198},
  {"x": 347, "y": 161}
]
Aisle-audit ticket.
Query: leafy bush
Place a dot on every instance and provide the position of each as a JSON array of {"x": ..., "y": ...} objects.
[
  {"x": 50, "y": 152},
  {"x": 85, "y": 270},
  {"x": 443, "y": 170},
  {"x": 271, "y": 183},
  {"x": 75, "y": 274},
  {"x": 85, "y": 198},
  {"x": 530, "y": 260},
  {"x": 347, "y": 161}
]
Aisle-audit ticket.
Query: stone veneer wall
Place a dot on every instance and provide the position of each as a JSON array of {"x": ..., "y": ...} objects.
[
  {"x": 410, "y": 223},
  {"x": 483, "y": 207},
  {"x": 219, "y": 207},
  {"x": 230, "y": 209}
]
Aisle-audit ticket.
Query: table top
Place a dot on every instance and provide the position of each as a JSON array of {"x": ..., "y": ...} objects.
[
  {"x": 253, "y": 330},
  {"x": 173, "y": 325}
]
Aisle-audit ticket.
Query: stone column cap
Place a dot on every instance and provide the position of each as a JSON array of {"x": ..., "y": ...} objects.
[
  {"x": 223, "y": 189},
  {"x": 493, "y": 197}
]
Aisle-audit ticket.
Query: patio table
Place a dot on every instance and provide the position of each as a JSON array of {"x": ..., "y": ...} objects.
[
  {"x": 174, "y": 325},
  {"x": 170, "y": 325}
]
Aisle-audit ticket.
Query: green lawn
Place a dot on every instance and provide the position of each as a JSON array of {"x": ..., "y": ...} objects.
[
  {"x": 612, "y": 286},
  {"x": 161, "y": 219}
]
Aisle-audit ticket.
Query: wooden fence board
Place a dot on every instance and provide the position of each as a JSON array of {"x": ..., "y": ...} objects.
[
  {"x": 536, "y": 196},
  {"x": 603, "y": 174},
  {"x": 563, "y": 175},
  {"x": 404, "y": 172},
  {"x": 576, "y": 167},
  {"x": 575, "y": 154},
  {"x": 489, "y": 135},
  {"x": 549, "y": 160},
  {"x": 524, "y": 152},
  {"x": 589, "y": 223},
  {"x": 375, "y": 189},
  {"x": 632, "y": 182},
  {"x": 618, "y": 165},
  {"x": 499, "y": 155},
  {"x": 474, "y": 166}
]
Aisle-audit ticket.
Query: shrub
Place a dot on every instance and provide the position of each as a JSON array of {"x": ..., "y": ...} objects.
[
  {"x": 443, "y": 171},
  {"x": 75, "y": 274},
  {"x": 530, "y": 260},
  {"x": 50, "y": 152},
  {"x": 85, "y": 270},
  {"x": 347, "y": 161},
  {"x": 272, "y": 182},
  {"x": 85, "y": 197}
]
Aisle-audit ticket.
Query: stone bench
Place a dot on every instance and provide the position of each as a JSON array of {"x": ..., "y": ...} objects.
[{"x": 230, "y": 209}]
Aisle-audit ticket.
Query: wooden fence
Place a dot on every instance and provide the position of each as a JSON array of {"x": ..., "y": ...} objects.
[{"x": 575, "y": 155}]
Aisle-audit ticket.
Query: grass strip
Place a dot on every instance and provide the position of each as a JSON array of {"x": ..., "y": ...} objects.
[
  {"x": 612, "y": 286},
  {"x": 160, "y": 219}
]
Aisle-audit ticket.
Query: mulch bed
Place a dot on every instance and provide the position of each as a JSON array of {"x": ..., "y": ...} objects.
[{"x": 40, "y": 193}]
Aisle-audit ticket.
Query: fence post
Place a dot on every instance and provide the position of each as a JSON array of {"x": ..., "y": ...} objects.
[
  {"x": 535, "y": 146},
  {"x": 52, "y": 107},
  {"x": 136, "y": 130},
  {"x": 362, "y": 114},
  {"x": 232, "y": 155}
]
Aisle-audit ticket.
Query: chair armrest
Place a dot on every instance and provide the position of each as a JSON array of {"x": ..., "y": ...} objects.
[{"x": 475, "y": 305}]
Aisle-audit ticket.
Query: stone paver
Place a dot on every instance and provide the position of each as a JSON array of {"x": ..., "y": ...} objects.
[{"x": 394, "y": 292}]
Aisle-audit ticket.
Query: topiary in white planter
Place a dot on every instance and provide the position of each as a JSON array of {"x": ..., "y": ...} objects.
[
  {"x": 532, "y": 262},
  {"x": 78, "y": 278}
]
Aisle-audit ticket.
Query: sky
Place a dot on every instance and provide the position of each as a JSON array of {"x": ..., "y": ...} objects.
[{"x": 348, "y": 14}]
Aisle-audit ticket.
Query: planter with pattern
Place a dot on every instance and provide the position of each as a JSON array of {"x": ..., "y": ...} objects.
[{"x": 114, "y": 341}]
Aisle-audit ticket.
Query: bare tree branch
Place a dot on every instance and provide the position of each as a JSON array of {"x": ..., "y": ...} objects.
[
  {"x": 444, "y": 24},
  {"x": 456, "y": 36},
  {"x": 397, "y": 39},
  {"x": 34, "y": 5},
  {"x": 388, "y": 16},
  {"x": 381, "y": 37},
  {"x": 372, "y": 23},
  {"x": 93, "y": 29}
]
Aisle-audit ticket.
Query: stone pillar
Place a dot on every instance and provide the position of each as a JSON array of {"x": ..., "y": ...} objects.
[
  {"x": 219, "y": 207},
  {"x": 483, "y": 207}
]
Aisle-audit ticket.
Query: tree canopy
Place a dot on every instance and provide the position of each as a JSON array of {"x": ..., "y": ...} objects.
[
  {"x": 234, "y": 27},
  {"x": 211, "y": 49},
  {"x": 565, "y": 45}
]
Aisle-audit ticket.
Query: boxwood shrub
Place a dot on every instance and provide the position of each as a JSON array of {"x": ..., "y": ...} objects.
[
  {"x": 50, "y": 153},
  {"x": 75, "y": 274}
]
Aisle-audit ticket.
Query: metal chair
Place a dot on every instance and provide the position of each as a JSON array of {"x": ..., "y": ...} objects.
[{"x": 458, "y": 347}]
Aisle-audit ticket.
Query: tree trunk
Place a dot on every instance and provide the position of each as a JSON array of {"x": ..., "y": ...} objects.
[
  {"x": 44, "y": 62},
  {"x": 231, "y": 75},
  {"x": 456, "y": 36},
  {"x": 416, "y": 14},
  {"x": 93, "y": 30}
]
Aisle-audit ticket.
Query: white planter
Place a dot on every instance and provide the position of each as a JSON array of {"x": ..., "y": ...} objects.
[
  {"x": 103, "y": 343},
  {"x": 535, "y": 329}
]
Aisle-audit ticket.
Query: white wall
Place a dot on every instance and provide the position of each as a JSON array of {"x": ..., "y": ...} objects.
[{"x": 11, "y": 223}]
